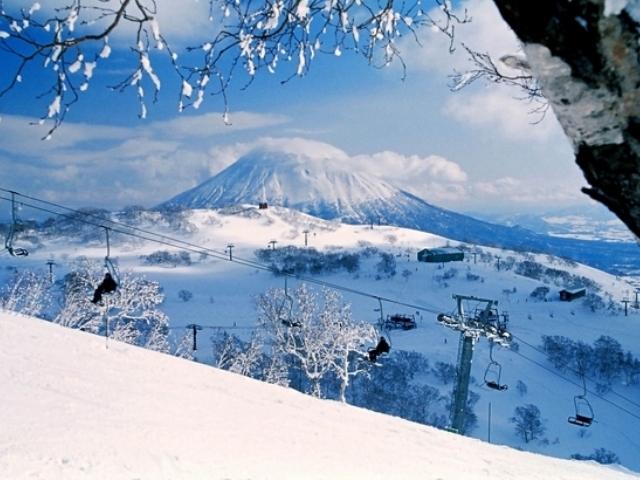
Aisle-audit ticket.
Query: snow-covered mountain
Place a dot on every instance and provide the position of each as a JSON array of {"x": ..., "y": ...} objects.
[
  {"x": 322, "y": 186},
  {"x": 325, "y": 185},
  {"x": 330, "y": 189}
]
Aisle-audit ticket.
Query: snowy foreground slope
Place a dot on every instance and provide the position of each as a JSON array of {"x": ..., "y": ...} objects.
[{"x": 73, "y": 408}]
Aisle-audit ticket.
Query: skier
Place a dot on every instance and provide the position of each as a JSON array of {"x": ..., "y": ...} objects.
[{"x": 108, "y": 285}]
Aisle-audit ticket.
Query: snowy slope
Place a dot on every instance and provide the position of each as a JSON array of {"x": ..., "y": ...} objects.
[
  {"x": 72, "y": 408},
  {"x": 223, "y": 290}
]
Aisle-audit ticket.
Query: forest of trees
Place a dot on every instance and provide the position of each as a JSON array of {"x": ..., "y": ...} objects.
[{"x": 605, "y": 360}]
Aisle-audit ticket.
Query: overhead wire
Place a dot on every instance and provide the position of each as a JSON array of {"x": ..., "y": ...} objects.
[
  {"x": 577, "y": 372},
  {"x": 142, "y": 234},
  {"x": 595, "y": 394}
]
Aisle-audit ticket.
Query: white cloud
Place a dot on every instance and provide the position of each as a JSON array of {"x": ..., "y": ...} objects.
[
  {"x": 483, "y": 105},
  {"x": 509, "y": 192},
  {"x": 497, "y": 110},
  {"x": 203, "y": 126},
  {"x": 397, "y": 167},
  {"x": 103, "y": 165}
]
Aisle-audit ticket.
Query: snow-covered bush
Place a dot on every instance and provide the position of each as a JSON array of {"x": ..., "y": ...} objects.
[
  {"x": 521, "y": 387},
  {"x": 164, "y": 257},
  {"x": 540, "y": 293},
  {"x": 185, "y": 295}
]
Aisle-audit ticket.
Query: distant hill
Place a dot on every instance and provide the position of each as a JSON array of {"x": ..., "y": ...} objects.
[
  {"x": 586, "y": 222},
  {"x": 329, "y": 188}
]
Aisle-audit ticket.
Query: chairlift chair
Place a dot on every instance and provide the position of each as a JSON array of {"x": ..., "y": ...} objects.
[
  {"x": 492, "y": 377},
  {"x": 492, "y": 374},
  {"x": 584, "y": 413},
  {"x": 384, "y": 346},
  {"x": 287, "y": 308},
  {"x": 111, "y": 279},
  {"x": 108, "y": 264},
  {"x": 8, "y": 241}
]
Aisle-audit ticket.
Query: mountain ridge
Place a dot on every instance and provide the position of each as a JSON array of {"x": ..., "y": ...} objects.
[{"x": 328, "y": 188}]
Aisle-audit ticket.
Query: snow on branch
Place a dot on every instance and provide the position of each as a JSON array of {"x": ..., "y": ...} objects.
[
  {"x": 511, "y": 70},
  {"x": 68, "y": 43}
]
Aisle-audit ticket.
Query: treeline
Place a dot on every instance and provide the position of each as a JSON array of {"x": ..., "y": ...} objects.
[
  {"x": 528, "y": 267},
  {"x": 605, "y": 359},
  {"x": 292, "y": 260},
  {"x": 389, "y": 387},
  {"x": 165, "y": 258}
]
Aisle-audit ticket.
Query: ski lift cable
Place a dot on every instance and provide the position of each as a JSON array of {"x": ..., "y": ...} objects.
[
  {"x": 577, "y": 372},
  {"x": 124, "y": 229},
  {"x": 622, "y": 409},
  {"x": 169, "y": 241},
  {"x": 8, "y": 242},
  {"x": 385, "y": 330}
]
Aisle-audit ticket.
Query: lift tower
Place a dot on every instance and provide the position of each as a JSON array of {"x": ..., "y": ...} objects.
[{"x": 483, "y": 321}]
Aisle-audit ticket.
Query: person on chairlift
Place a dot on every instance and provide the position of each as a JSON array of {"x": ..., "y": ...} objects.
[
  {"x": 107, "y": 285},
  {"x": 382, "y": 347}
]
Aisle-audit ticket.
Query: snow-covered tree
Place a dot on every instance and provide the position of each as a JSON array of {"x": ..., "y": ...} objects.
[
  {"x": 321, "y": 338},
  {"x": 247, "y": 358},
  {"x": 131, "y": 311},
  {"x": 184, "y": 347},
  {"x": 70, "y": 40},
  {"x": 28, "y": 292},
  {"x": 608, "y": 358},
  {"x": 445, "y": 372},
  {"x": 348, "y": 338}
]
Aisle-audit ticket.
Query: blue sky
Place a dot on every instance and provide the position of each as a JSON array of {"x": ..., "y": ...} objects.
[{"x": 475, "y": 150}]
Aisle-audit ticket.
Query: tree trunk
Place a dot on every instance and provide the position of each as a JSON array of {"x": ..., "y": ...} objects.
[{"x": 587, "y": 64}]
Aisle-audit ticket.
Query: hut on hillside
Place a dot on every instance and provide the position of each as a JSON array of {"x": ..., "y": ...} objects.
[
  {"x": 440, "y": 255},
  {"x": 571, "y": 293}
]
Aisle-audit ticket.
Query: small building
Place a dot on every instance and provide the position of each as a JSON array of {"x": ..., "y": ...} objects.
[
  {"x": 571, "y": 293},
  {"x": 263, "y": 205},
  {"x": 440, "y": 255}
]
